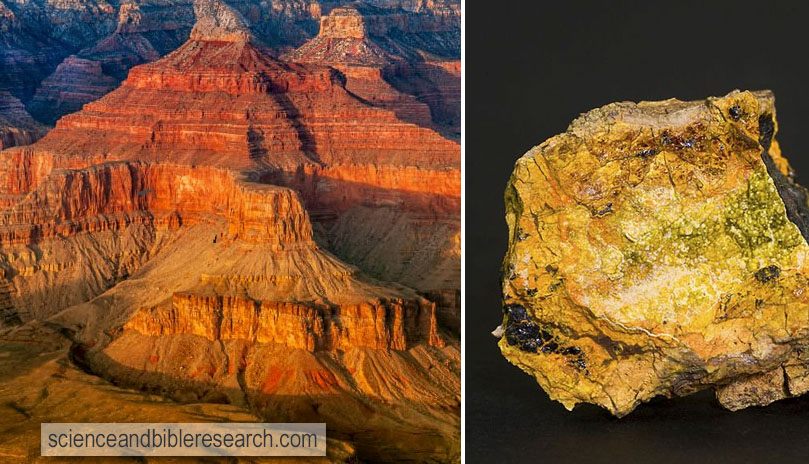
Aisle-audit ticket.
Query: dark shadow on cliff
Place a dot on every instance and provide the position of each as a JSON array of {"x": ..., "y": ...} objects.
[
  {"x": 308, "y": 143},
  {"x": 341, "y": 195},
  {"x": 425, "y": 82}
]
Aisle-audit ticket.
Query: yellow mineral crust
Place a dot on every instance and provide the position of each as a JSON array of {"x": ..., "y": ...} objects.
[{"x": 651, "y": 253}]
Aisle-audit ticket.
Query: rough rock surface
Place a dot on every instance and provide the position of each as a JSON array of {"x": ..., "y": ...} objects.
[
  {"x": 657, "y": 249},
  {"x": 218, "y": 21},
  {"x": 17, "y": 127},
  {"x": 402, "y": 60},
  {"x": 38, "y": 34},
  {"x": 75, "y": 82}
]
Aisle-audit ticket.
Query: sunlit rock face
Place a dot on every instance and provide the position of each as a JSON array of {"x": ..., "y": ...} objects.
[{"x": 657, "y": 249}]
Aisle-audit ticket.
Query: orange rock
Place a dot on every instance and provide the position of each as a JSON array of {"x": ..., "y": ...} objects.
[
  {"x": 382, "y": 325},
  {"x": 270, "y": 383}
]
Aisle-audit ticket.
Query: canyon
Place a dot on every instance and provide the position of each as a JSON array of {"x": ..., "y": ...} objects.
[
  {"x": 219, "y": 217},
  {"x": 56, "y": 56}
]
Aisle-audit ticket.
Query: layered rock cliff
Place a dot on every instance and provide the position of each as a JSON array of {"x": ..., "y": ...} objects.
[
  {"x": 225, "y": 103},
  {"x": 211, "y": 96},
  {"x": 407, "y": 61},
  {"x": 360, "y": 33},
  {"x": 42, "y": 44},
  {"x": 384, "y": 325},
  {"x": 17, "y": 127},
  {"x": 75, "y": 82},
  {"x": 219, "y": 101},
  {"x": 38, "y": 34},
  {"x": 70, "y": 234},
  {"x": 112, "y": 195},
  {"x": 146, "y": 30},
  {"x": 168, "y": 298}
]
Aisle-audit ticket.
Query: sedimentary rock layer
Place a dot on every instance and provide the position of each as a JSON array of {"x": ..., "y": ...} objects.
[
  {"x": 260, "y": 111},
  {"x": 406, "y": 399},
  {"x": 395, "y": 59},
  {"x": 38, "y": 34},
  {"x": 119, "y": 35},
  {"x": 225, "y": 103},
  {"x": 75, "y": 81},
  {"x": 364, "y": 34},
  {"x": 17, "y": 127},
  {"x": 397, "y": 224},
  {"x": 381, "y": 325},
  {"x": 93, "y": 226},
  {"x": 164, "y": 228},
  {"x": 657, "y": 249},
  {"x": 111, "y": 195}
]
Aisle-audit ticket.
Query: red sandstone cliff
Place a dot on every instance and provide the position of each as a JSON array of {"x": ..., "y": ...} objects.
[
  {"x": 39, "y": 39},
  {"x": 395, "y": 324},
  {"x": 192, "y": 283},
  {"x": 210, "y": 97},
  {"x": 110, "y": 195},
  {"x": 405, "y": 61},
  {"x": 219, "y": 101}
]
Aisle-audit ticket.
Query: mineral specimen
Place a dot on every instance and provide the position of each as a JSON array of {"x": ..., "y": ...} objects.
[{"x": 659, "y": 248}]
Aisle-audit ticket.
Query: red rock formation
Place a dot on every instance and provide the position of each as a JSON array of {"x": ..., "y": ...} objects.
[
  {"x": 218, "y": 100},
  {"x": 435, "y": 83},
  {"x": 31, "y": 48},
  {"x": 280, "y": 114},
  {"x": 368, "y": 82},
  {"x": 396, "y": 59},
  {"x": 390, "y": 403},
  {"x": 363, "y": 34},
  {"x": 334, "y": 190},
  {"x": 16, "y": 125},
  {"x": 38, "y": 35}
]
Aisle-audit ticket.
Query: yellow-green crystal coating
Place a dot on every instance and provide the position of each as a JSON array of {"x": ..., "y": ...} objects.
[{"x": 651, "y": 253}]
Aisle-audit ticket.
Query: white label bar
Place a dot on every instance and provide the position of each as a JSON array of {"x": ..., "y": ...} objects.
[{"x": 176, "y": 439}]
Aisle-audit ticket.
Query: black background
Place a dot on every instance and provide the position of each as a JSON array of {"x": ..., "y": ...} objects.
[{"x": 531, "y": 68}]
